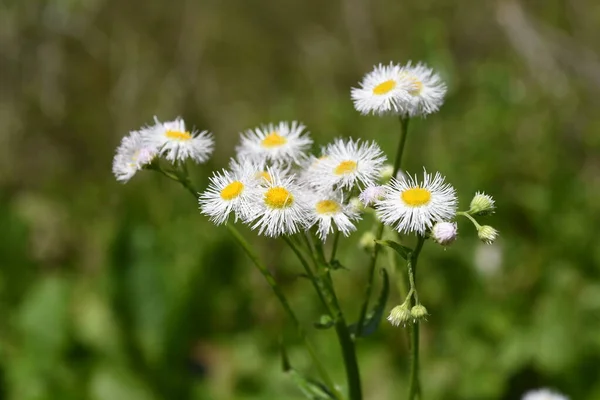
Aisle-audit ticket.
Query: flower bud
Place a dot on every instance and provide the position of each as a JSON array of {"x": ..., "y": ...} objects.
[
  {"x": 487, "y": 234},
  {"x": 418, "y": 312},
  {"x": 386, "y": 172},
  {"x": 357, "y": 205},
  {"x": 371, "y": 194},
  {"x": 400, "y": 315},
  {"x": 367, "y": 241},
  {"x": 444, "y": 233},
  {"x": 482, "y": 204}
]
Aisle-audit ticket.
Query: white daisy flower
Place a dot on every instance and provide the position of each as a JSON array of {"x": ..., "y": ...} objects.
[
  {"x": 382, "y": 91},
  {"x": 412, "y": 206},
  {"x": 280, "y": 144},
  {"x": 279, "y": 207},
  {"x": 543, "y": 394},
  {"x": 371, "y": 194},
  {"x": 229, "y": 191},
  {"x": 131, "y": 156},
  {"x": 261, "y": 169},
  {"x": 328, "y": 209},
  {"x": 309, "y": 174},
  {"x": 426, "y": 91},
  {"x": 349, "y": 163},
  {"x": 178, "y": 144}
]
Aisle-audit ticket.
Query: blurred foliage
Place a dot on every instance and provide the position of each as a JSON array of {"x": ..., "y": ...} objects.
[{"x": 127, "y": 292}]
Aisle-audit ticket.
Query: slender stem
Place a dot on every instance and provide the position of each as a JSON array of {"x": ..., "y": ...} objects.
[
  {"x": 326, "y": 292},
  {"x": 274, "y": 286},
  {"x": 336, "y": 239},
  {"x": 398, "y": 160},
  {"x": 473, "y": 220},
  {"x": 414, "y": 387},
  {"x": 373, "y": 263}
]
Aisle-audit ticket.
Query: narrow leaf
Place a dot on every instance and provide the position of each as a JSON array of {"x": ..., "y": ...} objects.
[
  {"x": 311, "y": 388},
  {"x": 400, "y": 249},
  {"x": 374, "y": 316}
]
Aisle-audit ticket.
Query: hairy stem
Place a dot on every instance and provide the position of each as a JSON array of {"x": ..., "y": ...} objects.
[
  {"x": 379, "y": 234},
  {"x": 414, "y": 386}
]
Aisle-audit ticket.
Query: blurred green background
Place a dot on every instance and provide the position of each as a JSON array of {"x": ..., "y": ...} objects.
[{"x": 127, "y": 292}]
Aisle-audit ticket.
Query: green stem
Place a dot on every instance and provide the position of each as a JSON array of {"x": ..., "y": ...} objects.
[
  {"x": 274, "y": 286},
  {"x": 326, "y": 292},
  {"x": 378, "y": 236},
  {"x": 336, "y": 239},
  {"x": 473, "y": 220},
  {"x": 414, "y": 387}
]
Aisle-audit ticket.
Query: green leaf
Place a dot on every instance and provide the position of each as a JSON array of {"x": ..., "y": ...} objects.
[
  {"x": 335, "y": 264},
  {"x": 400, "y": 249},
  {"x": 325, "y": 322},
  {"x": 374, "y": 316},
  {"x": 311, "y": 388}
]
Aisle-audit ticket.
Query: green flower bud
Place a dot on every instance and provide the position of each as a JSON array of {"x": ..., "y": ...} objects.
[
  {"x": 367, "y": 241},
  {"x": 418, "y": 312},
  {"x": 386, "y": 172},
  {"x": 400, "y": 315},
  {"x": 482, "y": 204},
  {"x": 487, "y": 234}
]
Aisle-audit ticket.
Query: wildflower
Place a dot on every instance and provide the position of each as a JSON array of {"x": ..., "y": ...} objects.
[
  {"x": 543, "y": 394},
  {"x": 310, "y": 173},
  {"x": 131, "y": 156},
  {"x": 283, "y": 143},
  {"x": 482, "y": 204},
  {"x": 487, "y": 234},
  {"x": 261, "y": 170},
  {"x": 229, "y": 191},
  {"x": 444, "y": 233},
  {"x": 382, "y": 91},
  {"x": 372, "y": 194},
  {"x": 279, "y": 207},
  {"x": 426, "y": 90},
  {"x": 327, "y": 209},
  {"x": 400, "y": 315},
  {"x": 177, "y": 143},
  {"x": 412, "y": 206},
  {"x": 349, "y": 163}
]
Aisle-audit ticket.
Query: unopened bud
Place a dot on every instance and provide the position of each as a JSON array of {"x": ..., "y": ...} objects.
[
  {"x": 400, "y": 315},
  {"x": 444, "y": 233},
  {"x": 418, "y": 312},
  {"x": 487, "y": 234},
  {"x": 482, "y": 204},
  {"x": 357, "y": 205},
  {"x": 371, "y": 195},
  {"x": 386, "y": 172},
  {"x": 367, "y": 241}
]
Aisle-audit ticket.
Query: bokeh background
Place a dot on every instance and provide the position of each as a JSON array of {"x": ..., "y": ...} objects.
[{"x": 111, "y": 291}]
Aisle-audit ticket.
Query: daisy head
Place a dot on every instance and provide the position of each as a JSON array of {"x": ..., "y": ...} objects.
[
  {"x": 327, "y": 209},
  {"x": 131, "y": 156},
  {"x": 229, "y": 191},
  {"x": 382, "y": 91},
  {"x": 283, "y": 143},
  {"x": 543, "y": 394},
  {"x": 350, "y": 163},
  {"x": 176, "y": 143},
  {"x": 371, "y": 195},
  {"x": 310, "y": 172},
  {"x": 426, "y": 90},
  {"x": 412, "y": 206},
  {"x": 279, "y": 206}
]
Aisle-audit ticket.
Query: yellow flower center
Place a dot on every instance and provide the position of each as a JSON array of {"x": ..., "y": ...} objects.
[
  {"x": 384, "y": 87},
  {"x": 416, "y": 196},
  {"x": 233, "y": 190},
  {"x": 264, "y": 175},
  {"x": 273, "y": 139},
  {"x": 178, "y": 135},
  {"x": 278, "y": 197},
  {"x": 327, "y": 207},
  {"x": 345, "y": 167}
]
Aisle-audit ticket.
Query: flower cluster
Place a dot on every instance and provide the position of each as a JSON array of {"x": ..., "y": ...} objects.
[{"x": 168, "y": 139}]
